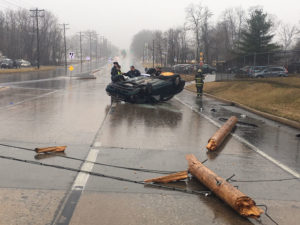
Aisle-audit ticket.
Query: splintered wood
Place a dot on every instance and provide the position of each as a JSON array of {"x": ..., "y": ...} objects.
[
  {"x": 216, "y": 140},
  {"x": 169, "y": 178},
  {"x": 51, "y": 149},
  {"x": 241, "y": 203}
]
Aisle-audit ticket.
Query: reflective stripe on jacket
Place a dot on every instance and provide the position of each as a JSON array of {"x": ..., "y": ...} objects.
[{"x": 199, "y": 81}]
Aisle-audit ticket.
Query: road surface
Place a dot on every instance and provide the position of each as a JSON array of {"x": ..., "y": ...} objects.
[{"x": 59, "y": 110}]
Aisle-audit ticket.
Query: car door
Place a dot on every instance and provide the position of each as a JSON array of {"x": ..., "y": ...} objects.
[
  {"x": 265, "y": 72},
  {"x": 276, "y": 72},
  {"x": 272, "y": 72}
]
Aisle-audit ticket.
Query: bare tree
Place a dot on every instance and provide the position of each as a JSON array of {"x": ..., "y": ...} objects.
[
  {"x": 193, "y": 21},
  {"x": 288, "y": 34}
]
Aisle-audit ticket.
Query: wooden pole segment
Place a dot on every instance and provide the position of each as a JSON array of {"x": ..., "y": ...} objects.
[
  {"x": 241, "y": 203},
  {"x": 51, "y": 149},
  {"x": 216, "y": 140},
  {"x": 169, "y": 178}
]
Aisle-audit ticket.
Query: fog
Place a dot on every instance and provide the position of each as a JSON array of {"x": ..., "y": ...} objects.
[{"x": 119, "y": 20}]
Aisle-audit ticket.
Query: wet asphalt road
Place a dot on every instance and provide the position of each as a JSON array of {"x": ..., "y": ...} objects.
[{"x": 60, "y": 110}]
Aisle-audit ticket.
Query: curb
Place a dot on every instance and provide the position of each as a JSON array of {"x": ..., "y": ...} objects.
[{"x": 282, "y": 120}]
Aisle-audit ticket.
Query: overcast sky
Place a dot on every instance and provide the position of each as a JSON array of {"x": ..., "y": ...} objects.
[{"x": 119, "y": 20}]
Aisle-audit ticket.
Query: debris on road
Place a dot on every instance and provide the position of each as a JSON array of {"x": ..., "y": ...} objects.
[
  {"x": 169, "y": 178},
  {"x": 216, "y": 140},
  {"x": 49, "y": 155},
  {"x": 51, "y": 149},
  {"x": 241, "y": 203}
]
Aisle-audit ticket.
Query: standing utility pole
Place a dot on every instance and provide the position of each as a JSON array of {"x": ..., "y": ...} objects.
[
  {"x": 65, "y": 43},
  {"x": 100, "y": 48},
  {"x": 80, "y": 44},
  {"x": 37, "y": 15},
  {"x": 90, "y": 39},
  {"x": 96, "y": 47},
  {"x": 153, "y": 54}
]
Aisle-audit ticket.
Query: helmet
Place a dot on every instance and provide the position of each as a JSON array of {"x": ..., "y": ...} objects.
[{"x": 199, "y": 71}]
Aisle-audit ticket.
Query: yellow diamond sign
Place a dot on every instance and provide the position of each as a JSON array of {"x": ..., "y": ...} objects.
[{"x": 71, "y": 68}]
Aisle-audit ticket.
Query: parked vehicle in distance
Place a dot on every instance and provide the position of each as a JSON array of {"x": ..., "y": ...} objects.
[
  {"x": 179, "y": 68},
  {"x": 7, "y": 64},
  {"x": 189, "y": 68},
  {"x": 272, "y": 71},
  {"x": 244, "y": 70},
  {"x": 255, "y": 69},
  {"x": 23, "y": 63},
  {"x": 208, "y": 69}
]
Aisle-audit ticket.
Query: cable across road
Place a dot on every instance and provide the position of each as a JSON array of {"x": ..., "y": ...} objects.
[
  {"x": 96, "y": 163},
  {"x": 205, "y": 193},
  {"x": 170, "y": 188}
]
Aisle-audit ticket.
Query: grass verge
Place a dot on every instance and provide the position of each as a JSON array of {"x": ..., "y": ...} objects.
[
  {"x": 29, "y": 69},
  {"x": 276, "y": 96}
]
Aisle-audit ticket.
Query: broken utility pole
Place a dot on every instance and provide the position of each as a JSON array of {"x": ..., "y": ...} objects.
[
  {"x": 51, "y": 149},
  {"x": 169, "y": 178},
  {"x": 216, "y": 140},
  {"x": 241, "y": 203}
]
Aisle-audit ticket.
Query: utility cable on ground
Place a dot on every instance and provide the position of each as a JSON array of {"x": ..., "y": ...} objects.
[
  {"x": 260, "y": 180},
  {"x": 205, "y": 193},
  {"x": 96, "y": 163},
  {"x": 266, "y": 213}
]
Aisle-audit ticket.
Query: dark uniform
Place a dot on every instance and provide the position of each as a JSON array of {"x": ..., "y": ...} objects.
[
  {"x": 115, "y": 75},
  {"x": 199, "y": 79},
  {"x": 133, "y": 73}
]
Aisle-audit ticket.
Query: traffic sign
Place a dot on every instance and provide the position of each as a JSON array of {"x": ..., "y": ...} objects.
[
  {"x": 71, "y": 55},
  {"x": 71, "y": 68}
]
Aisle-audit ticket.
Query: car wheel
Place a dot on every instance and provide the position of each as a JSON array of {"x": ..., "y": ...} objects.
[{"x": 260, "y": 76}]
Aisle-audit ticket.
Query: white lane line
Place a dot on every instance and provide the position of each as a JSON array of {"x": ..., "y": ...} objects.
[
  {"x": 97, "y": 144},
  {"x": 82, "y": 177},
  {"x": 29, "y": 99},
  {"x": 263, "y": 154}
]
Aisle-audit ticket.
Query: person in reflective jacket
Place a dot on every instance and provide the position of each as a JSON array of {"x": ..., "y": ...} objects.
[
  {"x": 133, "y": 72},
  {"x": 116, "y": 73},
  {"x": 199, "y": 79}
]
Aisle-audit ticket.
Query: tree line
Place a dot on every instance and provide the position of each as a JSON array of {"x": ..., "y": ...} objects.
[
  {"x": 18, "y": 36},
  {"x": 18, "y": 39},
  {"x": 238, "y": 35}
]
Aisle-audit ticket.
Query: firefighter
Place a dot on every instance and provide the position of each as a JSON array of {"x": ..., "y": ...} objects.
[{"x": 199, "y": 79}]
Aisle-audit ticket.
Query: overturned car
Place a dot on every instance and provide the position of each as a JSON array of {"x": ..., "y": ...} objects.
[{"x": 147, "y": 89}]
